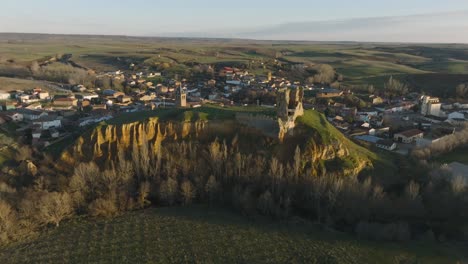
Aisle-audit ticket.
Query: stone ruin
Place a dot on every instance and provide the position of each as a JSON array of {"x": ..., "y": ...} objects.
[{"x": 289, "y": 108}]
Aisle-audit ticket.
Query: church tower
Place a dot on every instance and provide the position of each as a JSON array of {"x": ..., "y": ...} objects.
[{"x": 181, "y": 97}]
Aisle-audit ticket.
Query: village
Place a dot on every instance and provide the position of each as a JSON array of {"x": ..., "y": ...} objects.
[{"x": 397, "y": 123}]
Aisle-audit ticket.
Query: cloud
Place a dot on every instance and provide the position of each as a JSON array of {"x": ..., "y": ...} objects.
[{"x": 450, "y": 27}]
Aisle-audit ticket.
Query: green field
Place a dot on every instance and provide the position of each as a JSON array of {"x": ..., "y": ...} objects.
[
  {"x": 207, "y": 112},
  {"x": 8, "y": 84},
  {"x": 359, "y": 63},
  {"x": 199, "y": 234}
]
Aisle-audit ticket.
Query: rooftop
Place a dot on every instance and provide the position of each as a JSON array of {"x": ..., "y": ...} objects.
[{"x": 411, "y": 133}]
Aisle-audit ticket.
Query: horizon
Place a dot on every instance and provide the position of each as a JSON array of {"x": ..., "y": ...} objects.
[{"x": 360, "y": 21}]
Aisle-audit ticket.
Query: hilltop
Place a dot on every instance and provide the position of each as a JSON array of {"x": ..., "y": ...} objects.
[{"x": 324, "y": 148}]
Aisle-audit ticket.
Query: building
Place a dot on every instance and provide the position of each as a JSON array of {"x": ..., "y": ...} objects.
[
  {"x": 376, "y": 100},
  {"x": 408, "y": 136},
  {"x": 430, "y": 106},
  {"x": 124, "y": 99},
  {"x": 47, "y": 122},
  {"x": 66, "y": 102},
  {"x": 4, "y": 96},
  {"x": 30, "y": 115},
  {"x": 14, "y": 116},
  {"x": 43, "y": 95},
  {"x": 79, "y": 88},
  {"x": 93, "y": 119},
  {"x": 54, "y": 133},
  {"x": 181, "y": 97},
  {"x": 36, "y": 134},
  {"x": 379, "y": 131},
  {"x": 367, "y": 138},
  {"x": 386, "y": 144},
  {"x": 86, "y": 96},
  {"x": 455, "y": 115},
  {"x": 329, "y": 93}
]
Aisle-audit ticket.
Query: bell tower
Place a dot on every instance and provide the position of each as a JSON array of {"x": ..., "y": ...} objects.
[{"x": 181, "y": 97}]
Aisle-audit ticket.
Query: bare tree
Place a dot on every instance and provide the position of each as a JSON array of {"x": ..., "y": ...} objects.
[
  {"x": 54, "y": 207},
  {"x": 168, "y": 191},
  {"x": 187, "y": 192},
  {"x": 8, "y": 217},
  {"x": 212, "y": 188},
  {"x": 103, "y": 207}
]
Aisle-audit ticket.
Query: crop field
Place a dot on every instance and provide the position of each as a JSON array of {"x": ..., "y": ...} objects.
[
  {"x": 8, "y": 84},
  {"x": 359, "y": 63},
  {"x": 199, "y": 234}
]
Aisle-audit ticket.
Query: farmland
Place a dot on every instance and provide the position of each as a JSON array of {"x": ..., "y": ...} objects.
[
  {"x": 360, "y": 64},
  {"x": 210, "y": 235}
]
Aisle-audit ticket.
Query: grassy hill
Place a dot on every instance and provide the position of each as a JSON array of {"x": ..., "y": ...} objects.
[{"x": 207, "y": 235}]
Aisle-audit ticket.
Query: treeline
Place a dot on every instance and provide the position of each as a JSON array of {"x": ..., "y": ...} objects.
[
  {"x": 54, "y": 72},
  {"x": 181, "y": 173},
  {"x": 62, "y": 73},
  {"x": 443, "y": 146}
]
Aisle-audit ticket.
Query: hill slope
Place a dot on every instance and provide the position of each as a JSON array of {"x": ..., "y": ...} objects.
[
  {"x": 204, "y": 235},
  {"x": 324, "y": 149}
]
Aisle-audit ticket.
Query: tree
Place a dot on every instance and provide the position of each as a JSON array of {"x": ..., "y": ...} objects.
[
  {"x": 371, "y": 89},
  {"x": 143, "y": 194},
  {"x": 168, "y": 191},
  {"x": 187, "y": 192},
  {"x": 297, "y": 161},
  {"x": 35, "y": 68},
  {"x": 212, "y": 188},
  {"x": 265, "y": 204},
  {"x": 326, "y": 74},
  {"x": 103, "y": 207},
  {"x": 23, "y": 153},
  {"x": 8, "y": 218},
  {"x": 394, "y": 87},
  {"x": 462, "y": 90},
  {"x": 54, "y": 207}
]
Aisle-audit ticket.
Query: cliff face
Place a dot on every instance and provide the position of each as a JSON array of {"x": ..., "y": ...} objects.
[{"x": 104, "y": 142}]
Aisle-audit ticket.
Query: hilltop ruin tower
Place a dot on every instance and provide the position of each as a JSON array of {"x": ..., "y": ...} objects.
[
  {"x": 181, "y": 97},
  {"x": 289, "y": 108}
]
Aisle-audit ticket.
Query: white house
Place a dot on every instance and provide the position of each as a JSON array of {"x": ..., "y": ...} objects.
[
  {"x": 456, "y": 115},
  {"x": 92, "y": 120},
  {"x": 29, "y": 114},
  {"x": 36, "y": 134},
  {"x": 43, "y": 95},
  {"x": 430, "y": 106},
  {"x": 386, "y": 144},
  {"x": 48, "y": 122},
  {"x": 15, "y": 117},
  {"x": 24, "y": 98},
  {"x": 4, "y": 96},
  {"x": 54, "y": 133},
  {"x": 379, "y": 131},
  {"x": 408, "y": 136}
]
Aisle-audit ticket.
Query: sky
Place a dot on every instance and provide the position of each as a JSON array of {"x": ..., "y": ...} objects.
[{"x": 357, "y": 20}]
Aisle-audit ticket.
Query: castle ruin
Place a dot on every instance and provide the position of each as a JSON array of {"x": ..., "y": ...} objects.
[{"x": 289, "y": 108}]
